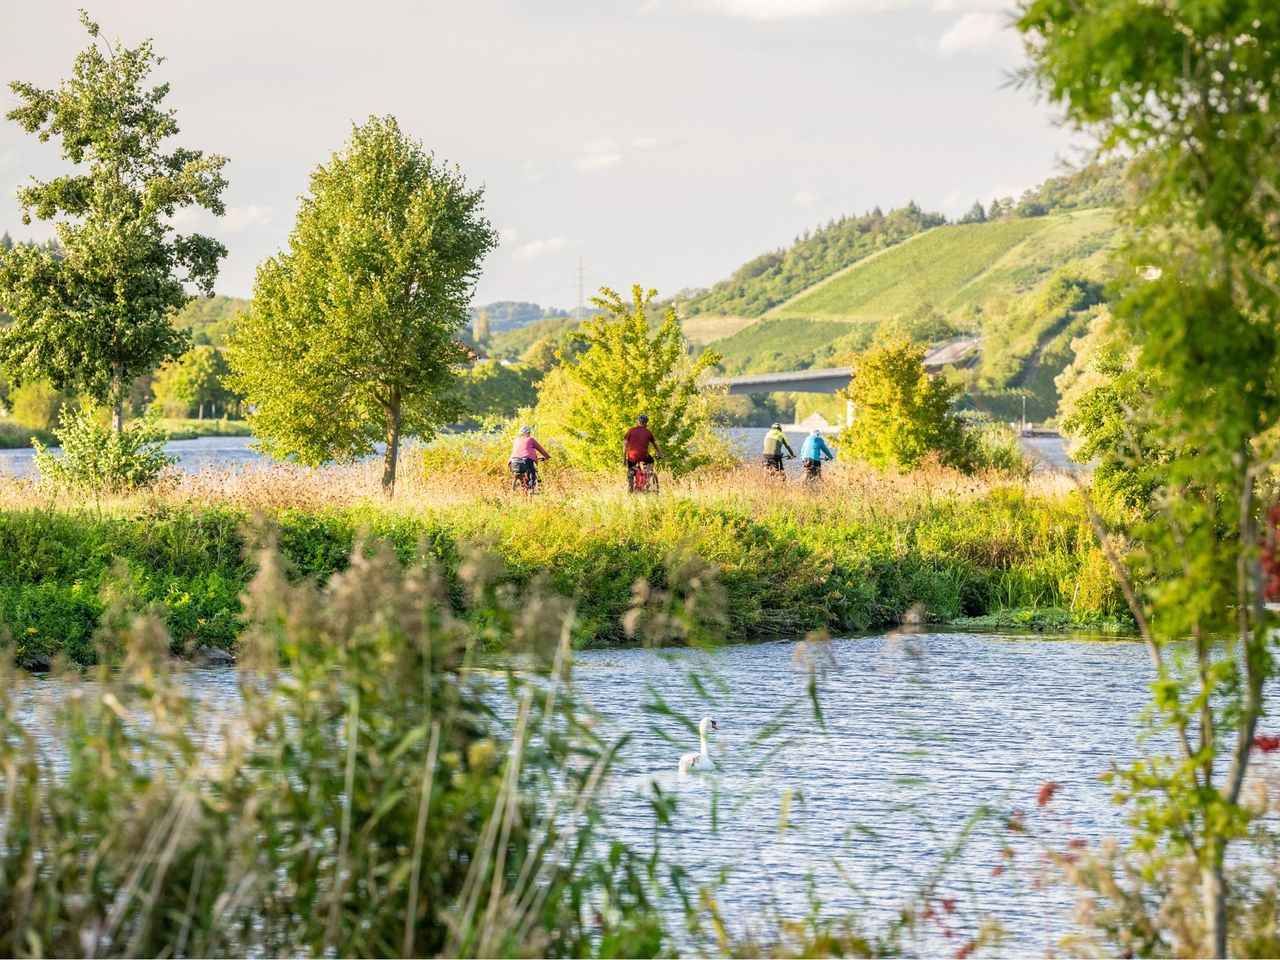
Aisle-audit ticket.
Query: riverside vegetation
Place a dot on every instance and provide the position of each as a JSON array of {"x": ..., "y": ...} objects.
[{"x": 862, "y": 553}]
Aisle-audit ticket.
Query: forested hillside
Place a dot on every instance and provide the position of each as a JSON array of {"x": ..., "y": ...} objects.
[{"x": 771, "y": 278}]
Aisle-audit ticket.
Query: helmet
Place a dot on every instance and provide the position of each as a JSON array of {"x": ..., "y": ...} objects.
[
  {"x": 643, "y": 418},
  {"x": 526, "y": 431},
  {"x": 816, "y": 432},
  {"x": 776, "y": 426}
]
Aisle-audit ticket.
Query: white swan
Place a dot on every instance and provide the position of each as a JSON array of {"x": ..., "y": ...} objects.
[
  {"x": 687, "y": 763},
  {"x": 703, "y": 725}
]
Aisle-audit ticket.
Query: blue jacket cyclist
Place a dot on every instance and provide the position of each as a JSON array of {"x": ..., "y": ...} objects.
[{"x": 814, "y": 451}]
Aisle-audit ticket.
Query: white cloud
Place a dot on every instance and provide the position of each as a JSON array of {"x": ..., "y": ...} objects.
[
  {"x": 246, "y": 218},
  {"x": 507, "y": 236},
  {"x": 598, "y": 155},
  {"x": 803, "y": 198},
  {"x": 236, "y": 219},
  {"x": 646, "y": 143},
  {"x": 598, "y": 161},
  {"x": 978, "y": 33},
  {"x": 537, "y": 248}
]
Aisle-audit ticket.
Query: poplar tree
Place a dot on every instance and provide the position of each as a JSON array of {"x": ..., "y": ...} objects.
[
  {"x": 95, "y": 311},
  {"x": 351, "y": 335}
]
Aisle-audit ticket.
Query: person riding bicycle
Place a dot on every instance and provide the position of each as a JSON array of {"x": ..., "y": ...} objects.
[
  {"x": 636, "y": 448},
  {"x": 814, "y": 451},
  {"x": 525, "y": 454},
  {"x": 775, "y": 441}
]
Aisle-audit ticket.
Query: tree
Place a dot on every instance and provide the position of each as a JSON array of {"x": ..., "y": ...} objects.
[
  {"x": 480, "y": 328},
  {"x": 193, "y": 382},
  {"x": 492, "y": 389},
  {"x": 591, "y": 401},
  {"x": 97, "y": 313},
  {"x": 1189, "y": 90},
  {"x": 976, "y": 214},
  {"x": 350, "y": 335},
  {"x": 901, "y": 414},
  {"x": 37, "y": 405}
]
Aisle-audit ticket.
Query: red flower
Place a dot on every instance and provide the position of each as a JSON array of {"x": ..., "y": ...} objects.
[
  {"x": 1047, "y": 790},
  {"x": 1266, "y": 744}
]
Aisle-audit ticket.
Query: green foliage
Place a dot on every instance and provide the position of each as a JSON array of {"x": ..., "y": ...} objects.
[
  {"x": 515, "y": 343},
  {"x": 1012, "y": 339},
  {"x": 351, "y": 337},
  {"x": 1189, "y": 90},
  {"x": 98, "y": 313},
  {"x": 791, "y": 345},
  {"x": 935, "y": 267},
  {"x": 38, "y": 405},
  {"x": 97, "y": 459},
  {"x": 901, "y": 414},
  {"x": 211, "y": 320},
  {"x": 841, "y": 562},
  {"x": 491, "y": 390},
  {"x": 1128, "y": 456},
  {"x": 589, "y": 404},
  {"x": 774, "y": 277},
  {"x": 193, "y": 384},
  {"x": 384, "y": 797}
]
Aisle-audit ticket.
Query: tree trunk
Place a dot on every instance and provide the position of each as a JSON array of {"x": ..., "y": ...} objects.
[
  {"x": 117, "y": 398},
  {"x": 201, "y": 415},
  {"x": 1214, "y": 893},
  {"x": 393, "y": 447}
]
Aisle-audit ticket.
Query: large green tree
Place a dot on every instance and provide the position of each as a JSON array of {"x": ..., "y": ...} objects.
[
  {"x": 350, "y": 338},
  {"x": 1190, "y": 89},
  {"x": 901, "y": 414},
  {"x": 629, "y": 368},
  {"x": 97, "y": 312}
]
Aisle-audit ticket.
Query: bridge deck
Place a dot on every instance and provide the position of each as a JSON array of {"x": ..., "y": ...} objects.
[{"x": 831, "y": 379}]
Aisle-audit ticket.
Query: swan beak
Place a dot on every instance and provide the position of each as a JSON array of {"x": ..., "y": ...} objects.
[{"x": 714, "y": 725}]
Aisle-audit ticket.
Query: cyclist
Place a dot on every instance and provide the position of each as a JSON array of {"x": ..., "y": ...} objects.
[
  {"x": 814, "y": 451},
  {"x": 525, "y": 454},
  {"x": 775, "y": 441},
  {"x": 636, "y": 448}
]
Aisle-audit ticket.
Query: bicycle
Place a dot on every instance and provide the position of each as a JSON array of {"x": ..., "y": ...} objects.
[
  {"x": 812, "y": 471},
  {"x": 642, "y": 478},
  {"x": 524, "y": 478},
  {"x": 773, "y": 468}
]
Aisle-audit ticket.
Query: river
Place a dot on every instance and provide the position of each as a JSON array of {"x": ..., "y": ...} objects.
[{"x": 920, "y": 731}]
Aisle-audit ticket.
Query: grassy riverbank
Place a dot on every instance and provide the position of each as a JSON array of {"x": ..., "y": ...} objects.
[{"x": 861, "y": 554}]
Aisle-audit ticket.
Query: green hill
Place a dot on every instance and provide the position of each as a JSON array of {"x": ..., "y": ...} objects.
[{"x": 956, "y": 268}]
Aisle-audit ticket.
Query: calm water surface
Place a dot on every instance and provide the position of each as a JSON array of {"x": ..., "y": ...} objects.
[{"x": 921, "y": 731}]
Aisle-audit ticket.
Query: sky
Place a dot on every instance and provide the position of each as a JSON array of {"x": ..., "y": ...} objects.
[{"x": 660, "y": 142}]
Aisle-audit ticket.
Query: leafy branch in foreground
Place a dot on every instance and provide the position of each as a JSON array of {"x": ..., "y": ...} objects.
[{"x": 1190, "y": 89}]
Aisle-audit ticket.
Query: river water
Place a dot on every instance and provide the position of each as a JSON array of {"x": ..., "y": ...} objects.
[{"x": 919, "y": 732}]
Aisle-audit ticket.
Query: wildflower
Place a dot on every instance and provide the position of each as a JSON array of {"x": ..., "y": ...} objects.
[
  {"x": 1047, "y": 790},
  {"x": 32, "y": 630},
  {"x": 1265, "y": 743}
]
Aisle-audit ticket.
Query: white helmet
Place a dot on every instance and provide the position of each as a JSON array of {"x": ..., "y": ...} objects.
[{"x": 526, "y": 431}]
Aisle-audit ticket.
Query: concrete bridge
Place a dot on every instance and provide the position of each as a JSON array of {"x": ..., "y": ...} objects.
[{"x": 830, "y": 380}]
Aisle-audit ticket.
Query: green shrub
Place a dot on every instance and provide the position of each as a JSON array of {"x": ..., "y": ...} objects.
[{"x": 97, "y": 458}]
